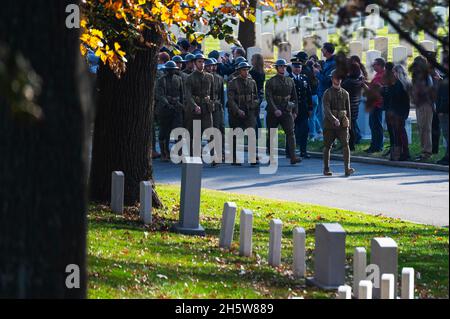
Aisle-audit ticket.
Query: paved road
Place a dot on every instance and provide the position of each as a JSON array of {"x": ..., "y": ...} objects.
[{"x": 416, "y": 195}]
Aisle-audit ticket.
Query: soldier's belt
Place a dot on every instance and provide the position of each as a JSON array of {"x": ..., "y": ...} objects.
[
  {"x": 339, "y": 114},
  {"x": 200, "y": 99},
  {"x": 282, "y": 98}
]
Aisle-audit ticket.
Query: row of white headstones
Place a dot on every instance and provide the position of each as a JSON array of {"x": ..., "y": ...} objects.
[{"x": 329, "y": 249}]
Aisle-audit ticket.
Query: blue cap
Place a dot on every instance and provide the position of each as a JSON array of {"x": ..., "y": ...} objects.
[
  {"x": 238, "y": 60},
  {"x": 189, "y": 57},
  {"x": 280, "y": 62},
  {"x": 199, "y": 56},
  {"x": 178, "y": 59},
  {"x": 243, "y": 65},
  {"x": 170, "y": 65},
  {"x": 209, "y": 62}
]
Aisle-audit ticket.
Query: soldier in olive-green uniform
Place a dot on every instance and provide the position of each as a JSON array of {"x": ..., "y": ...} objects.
[
  {"x": 169, "y": 105},
  {"x": 218, "y": 99},
  {"x": 242, "y": 102},
  {"x": 199, "y": 98},
  {"x": 282, "y": 104},
  {"x": 336, "y": 106},
  {"x": 180, "y": 62}
]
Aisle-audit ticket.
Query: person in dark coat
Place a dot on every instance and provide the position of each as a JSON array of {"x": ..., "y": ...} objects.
[
  {"x": 353, "y": 84},
  {"x": 442, "y": 110}
]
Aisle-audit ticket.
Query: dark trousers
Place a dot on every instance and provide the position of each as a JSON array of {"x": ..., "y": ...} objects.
[
  {"x": 400, "y": 147},
  {"x": 390, "y": 119},
  {"x": 355, "y": 134},
  {"x": 376, "y": 129},
  {"x": 301, "y": 132},
  {"x": 287, "y": 123},
  {"x": 435, "y": 133}
]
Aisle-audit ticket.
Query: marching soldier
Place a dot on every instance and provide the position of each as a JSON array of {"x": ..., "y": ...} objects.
[
  {"x": 242, "y": 102},
  {"x": 218, "y": 99},
  {"x": 305, "y": 107},
  {"x": 180, "y": 63},
  {"x": 282, "y": 106},
  {"x": 336, "y": 105},
  {"x": 189, "y": 66},
  {"x": 236, "y": 63},
  {"x": 169, "y": 105},
  {"x": 199, "y": 98}
]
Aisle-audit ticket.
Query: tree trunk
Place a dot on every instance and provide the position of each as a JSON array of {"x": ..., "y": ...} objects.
[
  {"x": 42, "y": 169},
  {"x": 247, "y": 32},
  {"x": 123, "y": 126}
]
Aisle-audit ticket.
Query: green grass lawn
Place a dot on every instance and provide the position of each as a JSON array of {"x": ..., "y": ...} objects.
[{"x": 129, "y": 260}]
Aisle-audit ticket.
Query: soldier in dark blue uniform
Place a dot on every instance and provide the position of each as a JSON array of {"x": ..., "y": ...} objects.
[{"x": 305, "y": 107}]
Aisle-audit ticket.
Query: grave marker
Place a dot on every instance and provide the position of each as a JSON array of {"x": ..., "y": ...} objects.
[
  {"x": 285, "y": 51},
  {"x": 276, "y": 227},
  {"x": 191, "y": 183},
  {"x": 384, "y": 254},
  {"x": 227, "y": 229},
  {"x": 145, "y": 200},
  {"x": 251, "y": 51},
  {"x": 428, "y": 45},
  {"x": 117, "y": 192},
  {"x": 382, "y": 44},
  {"x": 407, "y": 283},
  {"x": 295, "y": 38},
  {"x": 399, "y": 55},
  {"x": 299, "y": 252},
  {"x": 359, "y": 268},
  {"x": 267, "y": 45},
  {"x": 356, "y": 48},
  {"x": 246, "y": 233}
]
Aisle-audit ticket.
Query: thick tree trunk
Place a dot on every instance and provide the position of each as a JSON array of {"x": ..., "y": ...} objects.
[
  {"x": 247, "y": 32},
  {"x": 123, "y": 126},
  {"x": 42, "y": 169}
]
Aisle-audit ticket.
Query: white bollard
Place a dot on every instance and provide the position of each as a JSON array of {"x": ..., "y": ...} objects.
[
  {"x": 227, "y": 229},
  {"x": 359, "y": 268},
  {"x": 387, "y": 286},
  {"x": 299, "y": 252},
  {"x": 407, "y": 283},
  {"x": 365, "y": 289},
  {"x": 117, "y": 192},
  {"x": 276, "y": 227},
  {"x": 344, "y": 292},
  {"x": 145, "y": 196},
  {"x": 246, "y": 233}
]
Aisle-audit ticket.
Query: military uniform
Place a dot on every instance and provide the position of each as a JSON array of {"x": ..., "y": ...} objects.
[
  {"x": 218, "y": 113},
  {"x": 305, "y": 106},
  {"x": 336, "y": 104},
  {"x": 199, "y": 92},
  {"x": 281, "y": 95},
  {"x": 242, "y": 96},
  {"x": 169, "y": 108}
]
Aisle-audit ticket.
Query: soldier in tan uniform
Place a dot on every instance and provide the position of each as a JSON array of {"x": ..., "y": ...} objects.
[
  {"x": 336, "y": 105},
  {"x": 282, "y": 104},
  {"x": 169, "y": 106},
  {"x": 242, "y": 102},
  {"x": 199, "y": 97}
]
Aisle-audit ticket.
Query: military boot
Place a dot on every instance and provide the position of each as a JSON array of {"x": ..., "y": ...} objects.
[
  {"x": 349, "y": 171},
  {"x": 295, "y": 160},
  {"x": 327, "y": 172}
]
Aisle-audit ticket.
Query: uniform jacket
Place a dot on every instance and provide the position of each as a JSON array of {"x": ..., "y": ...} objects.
[
  {"x": 219, "y": 96},
  {"x": 281, "y": 94},
  {"x": 336, "y": 105},
  {"x": 242, "y": 95},
  {"x": 304, "y": 94},
  {"x": 169, "y": 94},
  {"x": 200, "y": 92}
]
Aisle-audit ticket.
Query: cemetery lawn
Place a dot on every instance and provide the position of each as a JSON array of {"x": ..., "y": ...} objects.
[{"x": 129, "y": 260}]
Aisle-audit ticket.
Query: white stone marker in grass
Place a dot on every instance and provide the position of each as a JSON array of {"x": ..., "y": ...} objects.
[
  {"x": 387, "y": 286},
  {"x": 267, "y": 45},
  {"x": 384, "y": 254},
  {"x": 276, "y": 228},
  {"x": 117, "y": 191},
  {"x": 299, "y": 252},
  {"x": 344, "y": 292},
  {"x": 227, "y": 229},
  {"x": 365, "y": 289},
  {"x": 246, "y": 233},
  {"x": 428, "y": 45},
  {"x": 295, "y": 38},
  {"x": 400, "y": 55},
  {"x": 145, "y": 199},
  {"x": 407, "y": 283},
  {"x": 356, "y": 48},
  {"x": 359, "y": 268},
  {"x": 382, "y": 44}
]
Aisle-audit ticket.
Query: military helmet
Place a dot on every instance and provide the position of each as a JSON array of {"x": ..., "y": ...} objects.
[
  {"x": 170, "y": 65},
  {"x": 300, "y": 57},
  {"x": 209, "y": 62},
  {"x": 280, "y": 62},
  {"x": 178, "y": 59},
  {"x": 239, "y": 60},
  {"x": 243, "y": 65},
  {"x": 199, "y": 56},
  {"x": 213, "y": 60},
  {"x": 189, "y": 57}
]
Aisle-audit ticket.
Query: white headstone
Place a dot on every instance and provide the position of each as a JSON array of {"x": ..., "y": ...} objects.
[
  {"x": 227, "y": 227},
  {"x": 267, "y": 26},
  {"x": 359, "y": 268},
  {"x": 258, "y": 31},
  {"x": 428, "y": 45},
  {"x": 315, "y": 15},
  {"x": 258, "y": 15},
  {"x": 295, "y": 38},
  {"x": 387, "y": 286},
  {"x": 307, "y": 25},
  {"x": 145, "y": 208},
  {"x": 285, "y": 51},
  {"x": 384, "y": 254},
  {"x": 356, "y": 48},
  {"x": 251, "y": 51},
  {"x": 117, "y": 192},
  {"x": 407, "y": 283},
  {"x": 246, "y": 233},
  {"x": 382, "y": 45},
  {"x": 294, "y": 21},
  {"x": 299, "y": 252},
  {"x": 365, "y": 289},
  {"x": 399, "y": 55},
  {"x": 321, "y": 32},
  {"x": 310, "y": 45},
  {"x": 276, "y": 228},
  {"x": 281, "y": 28},
  {"x": 267, "y": 45},
  {"x": 364, "y": 35},
  {"x": 372, "y": 21},
  {"x": 344, "y": 292}
]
